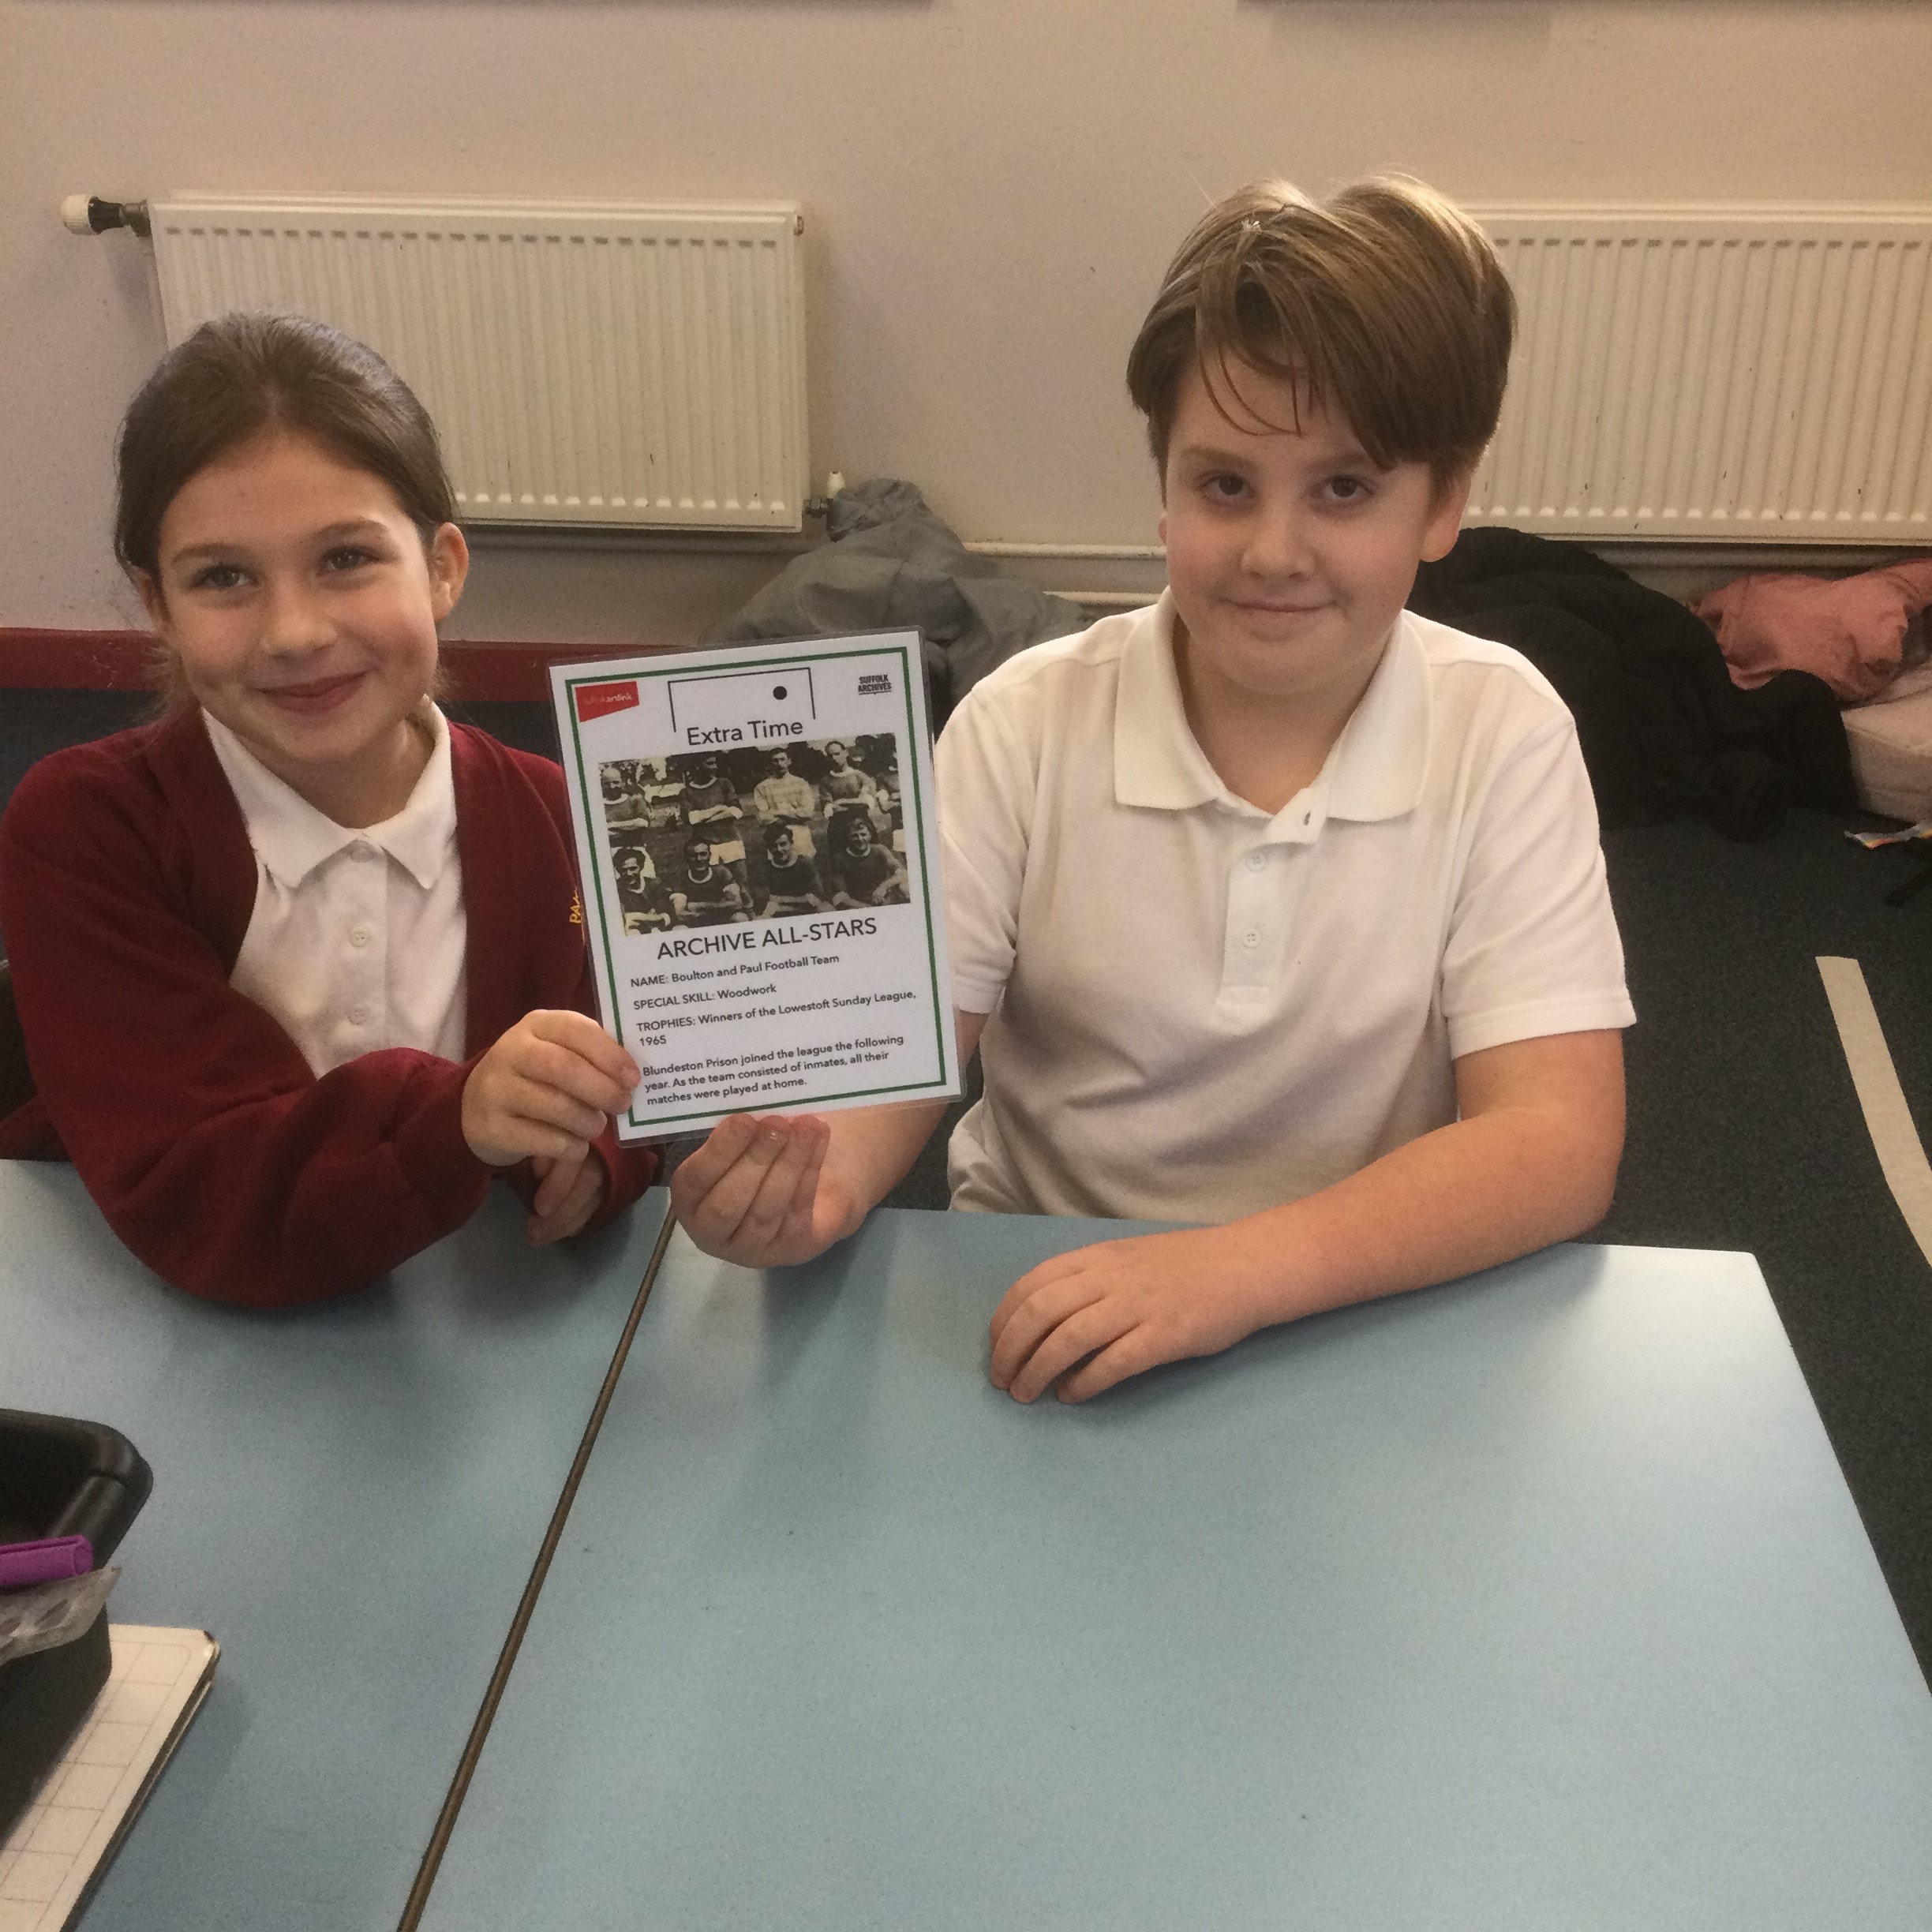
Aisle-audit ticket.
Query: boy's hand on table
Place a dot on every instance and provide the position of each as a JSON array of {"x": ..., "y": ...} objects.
[
  {"x": 1088, "y": 1319},
  {"x": 1531, "y": 1159},
  {"x": 568, "y": 1193},
  {"x": 758, "y": 1193},
  {"x": 544, "y": 1091}
]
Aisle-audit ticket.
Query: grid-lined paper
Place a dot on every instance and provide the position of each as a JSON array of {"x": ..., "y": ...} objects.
[{"x": 68, "y": 1832}]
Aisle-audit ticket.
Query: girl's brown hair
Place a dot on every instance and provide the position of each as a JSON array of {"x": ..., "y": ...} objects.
[
  {"x": 1387, "y": 306},
  {"x": 241, "y": 376}
]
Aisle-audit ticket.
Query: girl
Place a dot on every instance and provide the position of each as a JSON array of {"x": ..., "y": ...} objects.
[{"x": 301, "y": 966}]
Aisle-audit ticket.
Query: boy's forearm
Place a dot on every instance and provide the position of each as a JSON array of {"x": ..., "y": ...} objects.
[
  {"x": 771, "y": 1192},
  {"x": 872, "y": 1148},
  {"x": 1480, "y": 1191}
]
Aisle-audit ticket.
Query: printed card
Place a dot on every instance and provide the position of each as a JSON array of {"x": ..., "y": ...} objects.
[{"x": 761, "y": 878}]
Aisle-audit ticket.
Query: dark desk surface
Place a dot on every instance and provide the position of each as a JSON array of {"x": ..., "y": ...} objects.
[
  {"x": 1535, "y": 1601},
  {"x": 350, "y": 1497}
]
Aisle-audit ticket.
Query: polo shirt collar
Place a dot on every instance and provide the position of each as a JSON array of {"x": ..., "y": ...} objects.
[
  {"x": 1376, "y": 770},
  {"x": 1379, "y": 763},
  {"x": 291, "y": 838},
  {"x": 1156, "y": 761}
]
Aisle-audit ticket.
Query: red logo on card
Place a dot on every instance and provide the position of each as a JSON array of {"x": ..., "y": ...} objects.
[{"x": 596, "y": 701}]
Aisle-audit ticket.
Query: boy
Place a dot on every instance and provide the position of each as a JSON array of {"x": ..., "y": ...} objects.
[
  {"x": 703, "y": 892},
  {"x": 1274, "y": 906},
  {"x": 783, "y": 796},
  {"x": 708, "y": 794},
  {"x": 791, "y": 882},
  {"x": 640, "y": 898},
  {"x": 844, "y": 782},
  {"x": 862, "y": 873}
]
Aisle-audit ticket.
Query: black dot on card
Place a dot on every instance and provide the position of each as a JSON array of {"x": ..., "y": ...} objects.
[{"x": 778, "y": 690}]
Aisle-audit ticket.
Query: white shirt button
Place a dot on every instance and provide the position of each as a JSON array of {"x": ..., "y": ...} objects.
[
  {"x": 359, "y": 937},
  {"x": 1256, "y": 860},
  {"x": 1251, "y": 938},
  {"x": 358, "y": 1015},
  {"x": 362, "y": 851}
]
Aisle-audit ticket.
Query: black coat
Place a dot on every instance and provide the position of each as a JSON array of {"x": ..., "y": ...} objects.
[{"x": 1665, "y": 733}]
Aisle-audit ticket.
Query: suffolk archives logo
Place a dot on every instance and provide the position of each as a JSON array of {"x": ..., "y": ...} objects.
[{"x": 875, "y": 684}]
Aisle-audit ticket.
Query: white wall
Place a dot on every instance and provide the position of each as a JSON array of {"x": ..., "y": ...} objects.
[{"x": 992, "y": 187}]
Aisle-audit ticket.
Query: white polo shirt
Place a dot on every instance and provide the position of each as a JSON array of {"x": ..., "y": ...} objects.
[
  {"x": 1200, "y": 1011},
  {"x": 358, "y": 939}
]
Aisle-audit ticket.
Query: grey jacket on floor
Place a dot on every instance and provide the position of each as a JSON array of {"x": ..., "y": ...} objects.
[{"x": 891, "y": 565}]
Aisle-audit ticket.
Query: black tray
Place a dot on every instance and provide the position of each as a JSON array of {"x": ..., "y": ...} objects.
[{"x": 58, "y": 1477}]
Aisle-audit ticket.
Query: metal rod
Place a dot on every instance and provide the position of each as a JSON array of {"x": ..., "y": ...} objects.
[{"x": 418, "y": 1898}]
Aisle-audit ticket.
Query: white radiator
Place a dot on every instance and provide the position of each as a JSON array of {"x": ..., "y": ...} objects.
[
  {"x": 1715, "y": 375},
  {"x": 585, "y": 365}
]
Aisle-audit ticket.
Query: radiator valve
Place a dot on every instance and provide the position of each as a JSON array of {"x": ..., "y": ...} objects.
[{"x": 90, "y": 214}]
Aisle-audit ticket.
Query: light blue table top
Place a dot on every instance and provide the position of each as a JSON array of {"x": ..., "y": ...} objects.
[
  {"x": 350, "y": 1497},
  {"x": 1533, "y": 1601}
]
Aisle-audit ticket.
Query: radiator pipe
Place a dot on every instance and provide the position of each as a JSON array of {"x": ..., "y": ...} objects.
[
  {"x": 1109, "y": 553},
  {"x": 89, "y": 215}
]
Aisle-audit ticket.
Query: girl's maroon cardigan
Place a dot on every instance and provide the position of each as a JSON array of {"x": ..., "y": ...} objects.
[{"x": 126, "y": 884}]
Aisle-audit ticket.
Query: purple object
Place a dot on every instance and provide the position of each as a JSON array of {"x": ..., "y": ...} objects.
[{"x": 44, "y": 1562}]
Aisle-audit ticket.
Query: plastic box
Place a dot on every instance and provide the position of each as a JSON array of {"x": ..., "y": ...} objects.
[{"x": 58, "y": 1477}]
